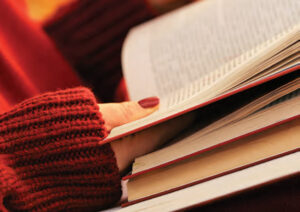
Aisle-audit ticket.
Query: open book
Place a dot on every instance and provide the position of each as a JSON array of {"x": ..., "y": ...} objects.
[
  {"x": 208, "y": 51},
  {"x": 237, "y": 62}
]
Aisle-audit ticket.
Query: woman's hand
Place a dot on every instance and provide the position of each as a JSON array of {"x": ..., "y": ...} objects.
[{"x": 132, "y": 146}]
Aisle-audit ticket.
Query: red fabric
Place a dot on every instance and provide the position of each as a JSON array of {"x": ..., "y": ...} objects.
[
  {"x": 50, "y": 159},
  {"x": 90, "y": 34},
  {"x": 29, "y": 62}
]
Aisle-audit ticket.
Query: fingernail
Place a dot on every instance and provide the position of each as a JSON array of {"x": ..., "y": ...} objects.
[{"x": 149, "y": 102}]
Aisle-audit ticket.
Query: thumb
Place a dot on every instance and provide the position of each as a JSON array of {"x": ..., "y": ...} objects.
[{"x": 116, "y": 114}]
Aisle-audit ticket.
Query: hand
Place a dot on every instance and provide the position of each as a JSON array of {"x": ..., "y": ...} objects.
[{"x": 128, "y": 148}]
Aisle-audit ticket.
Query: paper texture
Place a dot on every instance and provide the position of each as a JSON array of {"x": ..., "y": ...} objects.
[{"x": 164, "y": 55}]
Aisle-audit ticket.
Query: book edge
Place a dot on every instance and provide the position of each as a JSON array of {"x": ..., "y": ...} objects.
[
  {"x": 211, "y": 147},
  {"x": 210, "y": 178}
]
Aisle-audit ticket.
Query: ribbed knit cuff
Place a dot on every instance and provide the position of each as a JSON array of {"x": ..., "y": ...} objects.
[{"x": 50, "y": 159}]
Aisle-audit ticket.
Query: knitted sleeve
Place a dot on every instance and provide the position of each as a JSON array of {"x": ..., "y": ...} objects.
[
  {"x": 50, "y": 159},
  {"x": 90, "y": 35}
]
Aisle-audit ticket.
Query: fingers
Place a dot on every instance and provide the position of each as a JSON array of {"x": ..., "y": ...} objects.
[
  {"x": 116, "y": 114},
  {"x": 130, "y": 147}
]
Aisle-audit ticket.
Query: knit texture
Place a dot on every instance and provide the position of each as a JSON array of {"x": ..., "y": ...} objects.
[
  {"x": 90, "y": 35},
  {"x": 50, "y": 159}
]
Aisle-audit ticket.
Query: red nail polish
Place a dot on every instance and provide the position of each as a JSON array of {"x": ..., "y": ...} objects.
[{"x": 149, "y": 102}]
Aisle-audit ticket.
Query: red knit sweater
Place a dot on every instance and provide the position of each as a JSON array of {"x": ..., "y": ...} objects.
[
  {"x": 49, "y": 154},
  {"x": 50, "y": 159}
]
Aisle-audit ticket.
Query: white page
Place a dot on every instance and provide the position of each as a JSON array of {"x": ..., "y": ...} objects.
[
  {"x": 164, "y": 55},
  {"x": 222, "y": 186}
]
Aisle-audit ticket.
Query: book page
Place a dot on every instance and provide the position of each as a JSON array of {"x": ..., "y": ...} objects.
[
  {"x": 164, "y": 114},
  {"x": 282, "y": 93},
  {"x": 164, "y": 55}
]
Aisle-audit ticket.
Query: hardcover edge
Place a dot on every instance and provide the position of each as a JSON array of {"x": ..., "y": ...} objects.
[
  {"x": 216, "y": 176},
  {"x": 212, "y": 147}
]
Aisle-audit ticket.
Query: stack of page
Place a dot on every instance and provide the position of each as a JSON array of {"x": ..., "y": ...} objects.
[{"x": 236, "y": 63}]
